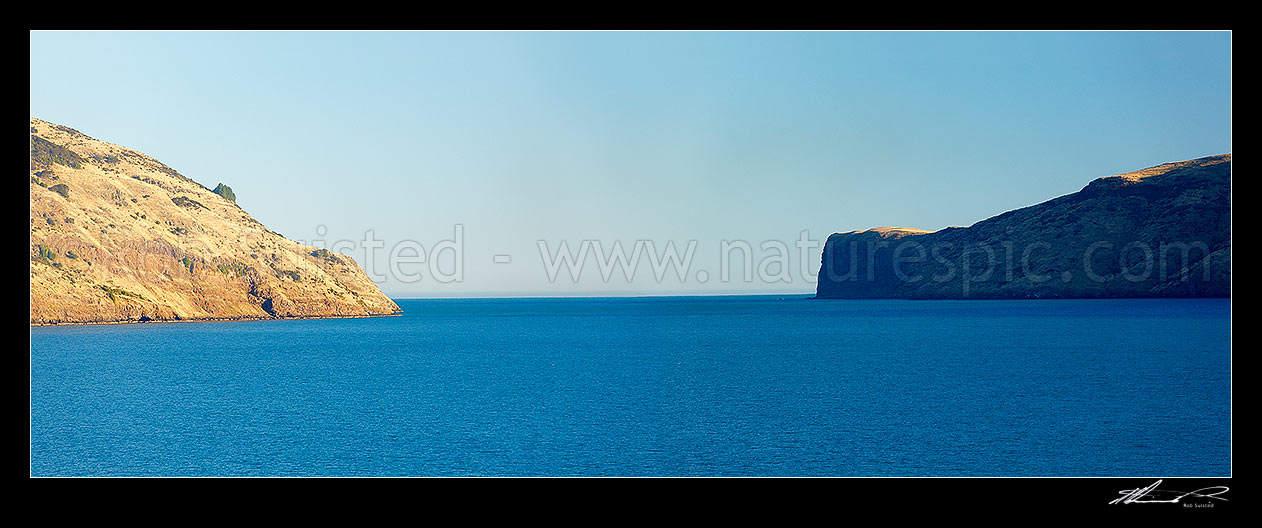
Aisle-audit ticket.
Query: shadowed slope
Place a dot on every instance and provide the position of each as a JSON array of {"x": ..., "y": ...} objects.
[{"x": 1164, "y": 231}]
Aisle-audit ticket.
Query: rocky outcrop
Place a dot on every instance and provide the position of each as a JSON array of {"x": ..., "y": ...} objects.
[
  {"x": 117, "y": 236},
  {"x": 1164, "y": 231}
]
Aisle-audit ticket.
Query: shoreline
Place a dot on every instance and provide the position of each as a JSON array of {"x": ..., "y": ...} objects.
[
  {"x": 400, "y": 312},
  {"x": 984, "y": 298},
  {"x": 213, "y": 320}
]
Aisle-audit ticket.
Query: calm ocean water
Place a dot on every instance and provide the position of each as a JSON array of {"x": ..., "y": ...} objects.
[{"x": 649, "y": 386}]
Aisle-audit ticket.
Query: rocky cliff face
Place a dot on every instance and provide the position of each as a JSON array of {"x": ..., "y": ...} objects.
[
  {"x": 1164, "y": 231},
  {"x": 117, "y": 236}
]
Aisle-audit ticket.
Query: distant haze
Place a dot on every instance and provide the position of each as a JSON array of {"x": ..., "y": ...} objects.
[{"x": 506, "y": 145}]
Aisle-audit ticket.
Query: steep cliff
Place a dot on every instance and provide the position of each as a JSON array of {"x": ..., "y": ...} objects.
[
  {"x": 1163, "y": 231},
  {"x": 117, "y": 236}
]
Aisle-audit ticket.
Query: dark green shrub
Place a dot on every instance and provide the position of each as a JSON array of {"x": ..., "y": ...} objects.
[
  {"x": 327, "y": 255},
  {"x": 184, "y": 201},
  {"x": 46, "y": 253},
  {"x": 45, "y": 153},
  {"x": 226, "y": 192},
  {"x": 46, "y": 256},
  {"x": 114, "y": 293}
]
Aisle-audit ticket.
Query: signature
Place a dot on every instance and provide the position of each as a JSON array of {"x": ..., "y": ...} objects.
[{"x": 1151, "y": 494}]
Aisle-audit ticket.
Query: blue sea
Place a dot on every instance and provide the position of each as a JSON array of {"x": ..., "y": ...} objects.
[{"x": 670, "y": 386}]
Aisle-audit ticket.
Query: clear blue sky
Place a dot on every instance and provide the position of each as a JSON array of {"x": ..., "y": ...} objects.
[{"x": 658, "y": 136}]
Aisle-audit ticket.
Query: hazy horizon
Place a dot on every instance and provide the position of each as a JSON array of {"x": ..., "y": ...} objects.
[{"x": 513, "y": 143}]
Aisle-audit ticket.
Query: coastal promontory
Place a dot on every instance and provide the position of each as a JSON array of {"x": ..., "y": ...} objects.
[
  {"x": 1164, "y": 231},
  {"x": 117, "y": 236}
]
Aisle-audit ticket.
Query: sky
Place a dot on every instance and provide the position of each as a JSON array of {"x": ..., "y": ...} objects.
[{"x": 483, "y": 152}]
